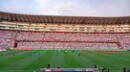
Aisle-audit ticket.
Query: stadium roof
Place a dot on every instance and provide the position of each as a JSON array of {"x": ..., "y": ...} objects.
[{"x": 14, "y": 17}]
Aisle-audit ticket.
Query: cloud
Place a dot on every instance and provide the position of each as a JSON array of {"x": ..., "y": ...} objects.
[
  {"x": 65, "y": 8},
  {"x": 68, "y": 7},
  {"x": 86, "y": 8},
  {"x": 16, "y": 6}
]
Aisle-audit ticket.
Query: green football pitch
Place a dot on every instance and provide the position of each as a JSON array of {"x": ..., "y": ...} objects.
[{"x": 33, "y": 60}]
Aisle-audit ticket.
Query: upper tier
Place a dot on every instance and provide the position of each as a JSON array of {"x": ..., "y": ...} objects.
[{"x": 5, "y": 16}]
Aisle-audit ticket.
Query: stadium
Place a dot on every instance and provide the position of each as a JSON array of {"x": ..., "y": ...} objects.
[{"x": 30, "y": 42}]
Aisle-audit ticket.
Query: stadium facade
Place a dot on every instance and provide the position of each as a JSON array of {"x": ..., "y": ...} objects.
[{"x": 66, "y": 32}]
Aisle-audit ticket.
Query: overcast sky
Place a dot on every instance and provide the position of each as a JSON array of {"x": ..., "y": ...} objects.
[{"x": 68, "y": 7}]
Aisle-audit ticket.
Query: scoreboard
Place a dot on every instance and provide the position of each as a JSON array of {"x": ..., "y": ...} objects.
[{"x": 69, "y": 70}]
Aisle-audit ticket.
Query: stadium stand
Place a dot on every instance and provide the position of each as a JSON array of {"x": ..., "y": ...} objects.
[
  {"x": 63, "y": 40},
  {"x": 35, "y": 31}
]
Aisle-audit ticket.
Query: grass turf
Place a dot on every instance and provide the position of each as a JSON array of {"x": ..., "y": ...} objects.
[{"x": 33, "y": 60}]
